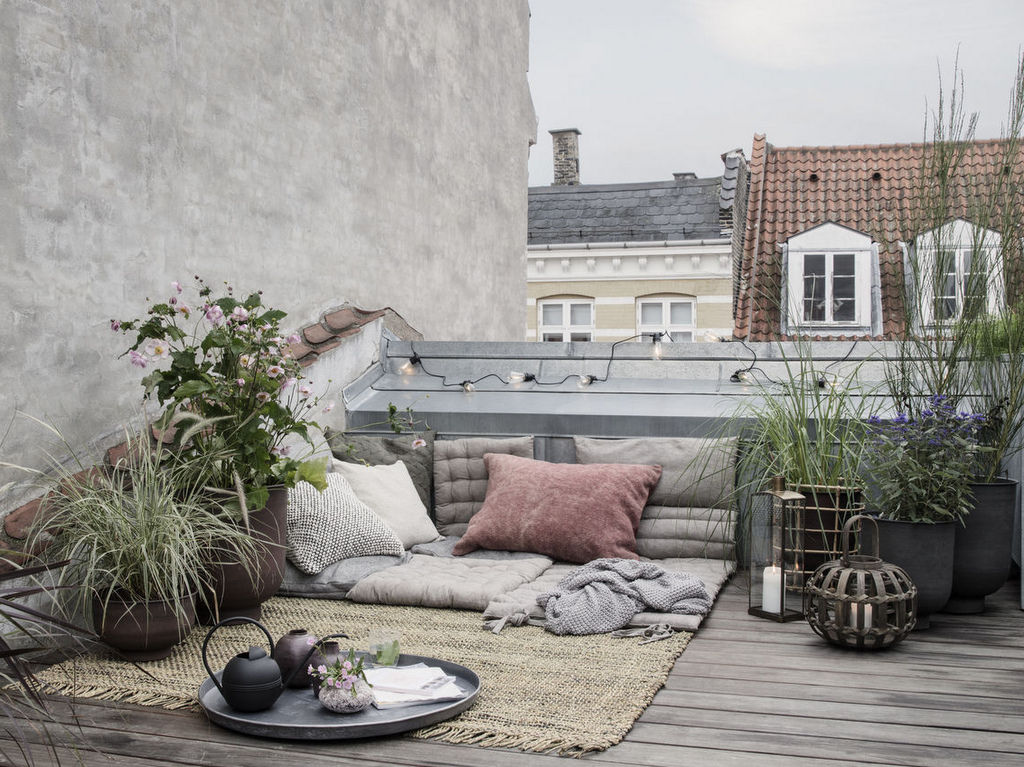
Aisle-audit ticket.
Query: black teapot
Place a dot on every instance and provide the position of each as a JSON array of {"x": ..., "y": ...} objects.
[{"x": 252, "y": 680}]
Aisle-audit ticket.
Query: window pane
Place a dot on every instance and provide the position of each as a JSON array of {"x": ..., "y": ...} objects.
[
  {"x": 844, "y": 288},
  {"x": 552, "y": 336},
  {"x": 579, "y": 337},
  {"x": 814, "y": 287},
  {"x": 579, "y": 314},
  {"x": 552, "y": 314},
  {"x": 650, "y": 313},
  {"x": 681, "y": 313},
  {"x": 678, "y": 336}
]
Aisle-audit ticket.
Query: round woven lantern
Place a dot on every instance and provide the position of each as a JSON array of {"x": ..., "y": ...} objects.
[{"x": 859, "y": 600}]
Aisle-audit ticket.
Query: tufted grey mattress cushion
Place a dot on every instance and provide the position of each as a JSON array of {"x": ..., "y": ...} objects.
[
  {"x": 374, "y": 451},
  {"x": 460, "y": 583},
  {"x": 691, "y": 511},
  {"x": 460, "y": 477}
]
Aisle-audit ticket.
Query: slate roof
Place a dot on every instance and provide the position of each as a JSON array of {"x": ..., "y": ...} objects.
[
  {"x": 683, "y": 209},
  {"x": 872, "y": 189}
]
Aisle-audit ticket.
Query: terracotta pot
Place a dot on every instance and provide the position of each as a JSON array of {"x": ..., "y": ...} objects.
[
  {"x": 143, "y": 630},
  {"x": 239, "y": 592},
  {"x": 982, "y": 553},
  {"x": 925, "y": 551}
]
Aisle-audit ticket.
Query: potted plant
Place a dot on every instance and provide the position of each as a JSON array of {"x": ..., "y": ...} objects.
[
  {"x": 921, "y": 468},
  {"x": 807, "y": 428},
  {"x": 343, "y": 685},
  {"x": 141, "y": 540},
  {"x": 223, "y": 361}
]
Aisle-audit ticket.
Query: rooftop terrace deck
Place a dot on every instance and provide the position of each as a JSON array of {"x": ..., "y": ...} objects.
[{"x": 745, "y": 692}]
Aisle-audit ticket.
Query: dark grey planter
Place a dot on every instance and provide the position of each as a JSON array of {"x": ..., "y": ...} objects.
[
  {"x": 925, "y": 551},
  {"x": 981, "y": 556}
]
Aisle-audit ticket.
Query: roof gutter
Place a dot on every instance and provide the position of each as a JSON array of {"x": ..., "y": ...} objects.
[{"x": 631, "y": 244}]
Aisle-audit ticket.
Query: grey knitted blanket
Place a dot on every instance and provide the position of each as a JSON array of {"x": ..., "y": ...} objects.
[{"x": 605, "y": 594}]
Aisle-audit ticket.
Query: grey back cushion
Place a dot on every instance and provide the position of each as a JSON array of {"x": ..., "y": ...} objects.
[
  {"x": 691, "y": 512},
  {"x": 376, "y": 451},
  {"x": 460, "y": 477}
]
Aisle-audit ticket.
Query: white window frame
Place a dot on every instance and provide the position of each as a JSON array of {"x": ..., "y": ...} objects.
[
  {"x": 566, "y": 330},
  {"x": 829, "y": 240},
  {"x": 958, "y": 237},
  {"x": 677, "y": 332}
]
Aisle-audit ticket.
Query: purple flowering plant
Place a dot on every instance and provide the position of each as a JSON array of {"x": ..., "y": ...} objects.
[
  {"x": 920, "y": 468},
  {"x": 342, "y": 673},
  {"x": 222, "y": 362}
]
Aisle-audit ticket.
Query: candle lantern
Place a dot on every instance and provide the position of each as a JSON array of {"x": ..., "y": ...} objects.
[
  {"x": 777, "y": 553},
  {"x": 860, "y": 601}
]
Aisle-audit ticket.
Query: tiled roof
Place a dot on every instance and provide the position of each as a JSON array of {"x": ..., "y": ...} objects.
[
  {"x": 683, "y": 209},
  {"x": 873, "y": 189}
]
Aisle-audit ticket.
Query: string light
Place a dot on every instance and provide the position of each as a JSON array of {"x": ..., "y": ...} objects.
[
  {"x": 468, "y": 387},
  {"x": 517, "y": 377},
  {"x": 409, "y": 367},
  {"x": 585, "y": 381}
]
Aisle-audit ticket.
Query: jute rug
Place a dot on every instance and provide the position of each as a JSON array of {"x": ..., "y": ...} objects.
[{"x": 539, "y": 692}]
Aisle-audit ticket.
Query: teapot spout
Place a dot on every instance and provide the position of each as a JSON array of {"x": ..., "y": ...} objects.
[{"x": 312, "y": 648}]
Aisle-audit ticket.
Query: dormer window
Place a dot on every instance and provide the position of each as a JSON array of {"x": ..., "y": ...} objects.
[
  {"x": 828, "y": 280},
  {"x": 958, "y": 269}
]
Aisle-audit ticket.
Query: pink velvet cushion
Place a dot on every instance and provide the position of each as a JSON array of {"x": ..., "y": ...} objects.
[{"x": 572, "y": 512}]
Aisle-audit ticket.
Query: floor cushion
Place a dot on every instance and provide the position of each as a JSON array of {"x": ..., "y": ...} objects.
[
  {"x": 460, "y": 477},
  {"x": 416, "y": 451}
]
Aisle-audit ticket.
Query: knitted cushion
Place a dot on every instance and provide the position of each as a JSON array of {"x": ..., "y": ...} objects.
[
  {"x": 375, "y": 451},
  {"x": 460, "y": 477},
  {"x": 326, "y": 527}
]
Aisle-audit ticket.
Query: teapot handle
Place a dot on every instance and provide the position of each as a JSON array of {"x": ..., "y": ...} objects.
[
  {"x": 225, "y": 622},
  {"x": 309, "y": 655}
]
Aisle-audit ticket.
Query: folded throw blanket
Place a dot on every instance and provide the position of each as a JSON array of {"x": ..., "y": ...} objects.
[{"x": 605, "y": 594}]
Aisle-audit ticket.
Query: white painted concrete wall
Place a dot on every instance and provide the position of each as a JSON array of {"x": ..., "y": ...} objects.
[{"x": 343, "y": 150}]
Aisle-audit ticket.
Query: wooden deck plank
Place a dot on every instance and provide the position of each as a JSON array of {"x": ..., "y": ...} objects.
[{"x": 745, "y": 692}]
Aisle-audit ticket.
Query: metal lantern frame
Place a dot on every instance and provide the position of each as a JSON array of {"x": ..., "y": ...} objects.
[
  {"x": 776, "y": 546},
  {"x": 859, "y": 601}
]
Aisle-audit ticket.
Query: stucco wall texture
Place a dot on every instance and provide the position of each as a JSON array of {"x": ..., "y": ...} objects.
[{"x": 371, "y": 151}]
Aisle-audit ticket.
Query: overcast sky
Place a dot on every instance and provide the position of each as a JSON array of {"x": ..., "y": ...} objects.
[{"x": 662, "y": 86}]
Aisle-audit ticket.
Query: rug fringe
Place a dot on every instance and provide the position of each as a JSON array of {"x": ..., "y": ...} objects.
[
  {"x": 72, "y": 690},
  {"x": 455, "y": 733}
]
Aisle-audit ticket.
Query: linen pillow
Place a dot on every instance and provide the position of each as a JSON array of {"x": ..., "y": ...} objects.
[
  {"x": 326, "y": 527},
  {"x": 375, "y": 451},
  {"x": 460, "y": 477},
  {"x": 390, "y": 494},
  {"x": 572, "y": 512}
]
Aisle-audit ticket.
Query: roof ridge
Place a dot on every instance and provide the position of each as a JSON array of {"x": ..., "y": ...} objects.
[{"x": 894, "y": 145}]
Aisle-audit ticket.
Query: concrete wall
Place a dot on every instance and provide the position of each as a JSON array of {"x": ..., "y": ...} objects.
[{"x": 341, "y": 150}]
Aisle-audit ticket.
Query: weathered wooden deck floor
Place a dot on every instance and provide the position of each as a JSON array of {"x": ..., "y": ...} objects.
[{"x": 746, "y": 692}]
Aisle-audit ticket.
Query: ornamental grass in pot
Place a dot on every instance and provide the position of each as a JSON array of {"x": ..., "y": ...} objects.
[
  {"x": 808, "y": 428},
  {"x": 222, "y": 361},
  {"x": 920, "y": 470},
  {"x": 140, "y": 540}
]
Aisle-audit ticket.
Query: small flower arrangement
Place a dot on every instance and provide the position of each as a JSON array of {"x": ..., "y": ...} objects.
[
  {"x": 341, "y": 674},
  {"x": 920, "y": 468},
  {"x": 223, "y": 360}
]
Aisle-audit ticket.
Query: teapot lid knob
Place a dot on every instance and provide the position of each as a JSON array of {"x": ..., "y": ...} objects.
[{"x": 255, "y": 653}]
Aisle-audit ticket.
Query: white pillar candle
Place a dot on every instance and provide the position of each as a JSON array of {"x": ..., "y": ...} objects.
[
  {"x": 771, "y": 593},
  {"x": 860, "y": 615}
]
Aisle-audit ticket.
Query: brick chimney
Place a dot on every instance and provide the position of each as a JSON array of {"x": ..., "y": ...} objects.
[{"x": 566, "y": 146}]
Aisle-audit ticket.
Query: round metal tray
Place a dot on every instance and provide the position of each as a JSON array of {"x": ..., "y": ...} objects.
[{"x": 298, "y": 715}]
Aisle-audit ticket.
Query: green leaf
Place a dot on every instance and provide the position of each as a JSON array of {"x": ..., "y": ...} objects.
[
  {"x": 313, "y": 471},
  {"x": 192, "y": 388}
]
